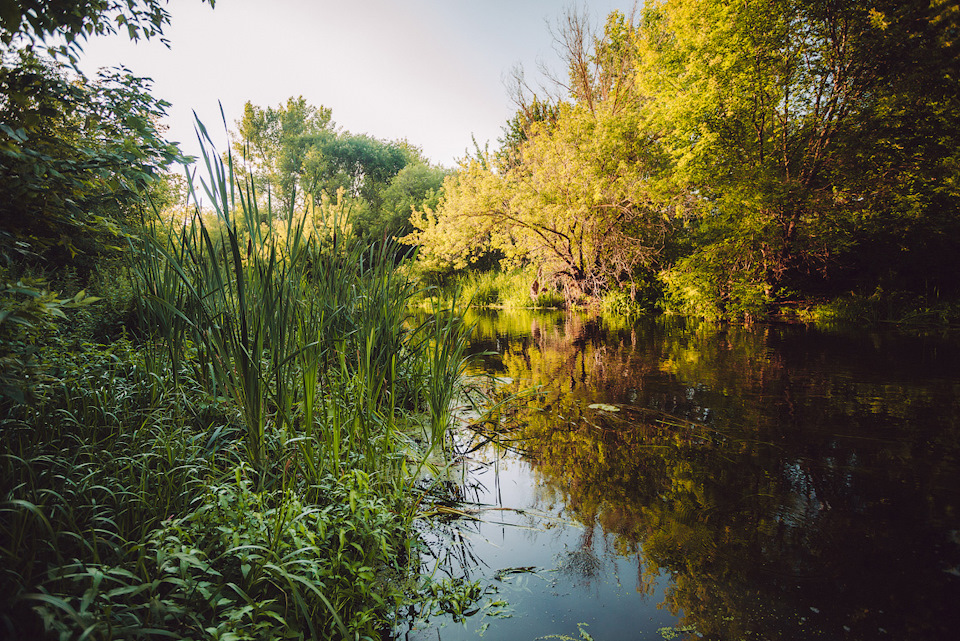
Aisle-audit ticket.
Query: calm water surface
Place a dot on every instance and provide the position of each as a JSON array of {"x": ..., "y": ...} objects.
[{"x": 676, "y": 480}]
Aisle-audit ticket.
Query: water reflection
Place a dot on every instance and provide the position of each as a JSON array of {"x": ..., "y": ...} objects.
[{"x": 772, "y": 482}]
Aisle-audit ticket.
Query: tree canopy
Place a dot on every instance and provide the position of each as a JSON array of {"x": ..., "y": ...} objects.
[
  {"x": 77, "y": 154},
  {"x": 297, "y": 155},
  {"x": 748, "y": 153},
  {"x": 773, "y": 114}
]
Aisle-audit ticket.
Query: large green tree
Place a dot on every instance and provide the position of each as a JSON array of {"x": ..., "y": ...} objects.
[
  {"x": 572, "y": 191},
  {"x": 577, "y": 206},
  {"x": 299, "y": 159},
  {"x": 413, "y": 188},
  {"x": 806, "y": 133},
  {"x": 77, "y": 154},
  {"x": 284, "y": 149}
]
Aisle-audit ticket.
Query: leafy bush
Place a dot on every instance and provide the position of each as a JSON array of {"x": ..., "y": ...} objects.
[
  {"x": 244, "y": 564},
  {"x": 699, "y": 286}
]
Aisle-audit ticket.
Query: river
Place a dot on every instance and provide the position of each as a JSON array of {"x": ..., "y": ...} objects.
[{"x": 667, "y": 479}]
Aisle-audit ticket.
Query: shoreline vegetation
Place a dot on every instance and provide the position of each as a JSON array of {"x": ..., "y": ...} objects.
[
  {"x": 511, "y": 290},
  {"x": 222, "y": 416},
  {"x": 246, "y": 459}
]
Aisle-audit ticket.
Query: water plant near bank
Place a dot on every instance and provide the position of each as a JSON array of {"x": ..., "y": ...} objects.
[{"x": 244, "y": 463}]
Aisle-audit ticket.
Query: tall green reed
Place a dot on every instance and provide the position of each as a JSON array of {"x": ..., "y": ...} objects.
[
  {"x": 303, "y": 327},
  {"x": 273, "y": 348}
]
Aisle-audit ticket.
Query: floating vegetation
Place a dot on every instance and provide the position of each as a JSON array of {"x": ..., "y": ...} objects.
[{"x": 603, "y": 407}]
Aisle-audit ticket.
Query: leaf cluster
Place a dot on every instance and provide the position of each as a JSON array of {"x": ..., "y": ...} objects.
[
  {"x": 39, "y": 20},
  {"x": 76, "y": 158}
]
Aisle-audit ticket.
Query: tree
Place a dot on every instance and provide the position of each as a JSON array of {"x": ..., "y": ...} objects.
[
  {"x": 76, "y": 154},
  {"x": 283, "y": 149},
  {"x": 765, "y": 109},
  {"x": 296, "y": 154},
  {"x": 572, "y": 191},
  {"x": 578, "y": 206},
  {"x": 519, "y": 128},
  {"x": 364, "y": 165},
  {"x": 414, "y": 187},
  {"x": 36, "y": 20},
  {"x": 75, "y": 158}
]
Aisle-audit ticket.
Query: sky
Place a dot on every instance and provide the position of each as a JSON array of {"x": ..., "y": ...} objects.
[{"x": 433, "y": 72}]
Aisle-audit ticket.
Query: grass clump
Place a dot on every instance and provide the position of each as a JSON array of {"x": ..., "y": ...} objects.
[
  {"x": 503, "y": 290},
  {"x": 243, "y": 460}
]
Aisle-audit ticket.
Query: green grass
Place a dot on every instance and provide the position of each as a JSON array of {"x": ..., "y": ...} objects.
[
  {"x": 498, "y": 289},
  {"x": 901, "y": 308},
  {"x": 245, "y": 459}
]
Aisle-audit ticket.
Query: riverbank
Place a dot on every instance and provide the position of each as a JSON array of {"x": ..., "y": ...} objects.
[
  {"x": 221, "y": 442},
  {"x": 511, "y": 290}
]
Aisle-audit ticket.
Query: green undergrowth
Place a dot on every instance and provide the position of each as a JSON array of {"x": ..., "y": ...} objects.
[
  {"x": 901, "y": 308},
  {"x": 497, "y": 289},
  {"x": 233, "y": 442}
]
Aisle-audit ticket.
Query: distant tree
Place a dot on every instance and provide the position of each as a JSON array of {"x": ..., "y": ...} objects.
[
  {"x": 283, "y": 148},
  {"x": 296, "y": 155},
  {"x": 364, "y": 165},
  {"x": 413, "y": 188}
]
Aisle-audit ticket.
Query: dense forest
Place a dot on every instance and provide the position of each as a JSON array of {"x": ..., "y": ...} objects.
[
  {"x": 724, "y": 159},
  {"x": 219, "y": 418}
]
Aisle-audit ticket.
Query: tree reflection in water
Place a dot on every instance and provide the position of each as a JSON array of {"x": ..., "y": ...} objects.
[{"x": 792, "y": 483}]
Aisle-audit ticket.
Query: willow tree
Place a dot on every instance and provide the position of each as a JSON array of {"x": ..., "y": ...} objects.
[
  {"x": 578, "y": 206},
  {"x": 573, "y": 195}
]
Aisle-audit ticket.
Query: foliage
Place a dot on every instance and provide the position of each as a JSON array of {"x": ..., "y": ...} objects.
[
  {"x": 298, "y": 157},
  {"x": 75, "y": 158},
  {"x": 769, "y": 113},
  {"x": 519, "y": 129},
  {"x": 415, "y": 187},
  {"x": 500, "y": 289},
  {"x": 282, "y": 146},
  {"x": 251, "y": 467},
  {"x": 28, "y": 311},
  {"x": 880, "y": 306},
  {"x": 572, "y": 191},
  {"x": 36, "y": 20},
  {"x": 579, "y": 207},
  {"x": 745, "y": 155}
]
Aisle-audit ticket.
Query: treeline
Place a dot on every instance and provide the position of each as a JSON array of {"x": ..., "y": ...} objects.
[{"x": 724, "y": 159}]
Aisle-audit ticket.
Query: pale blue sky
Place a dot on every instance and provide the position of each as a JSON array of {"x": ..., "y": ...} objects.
[{"x": 430, "y": 71}]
